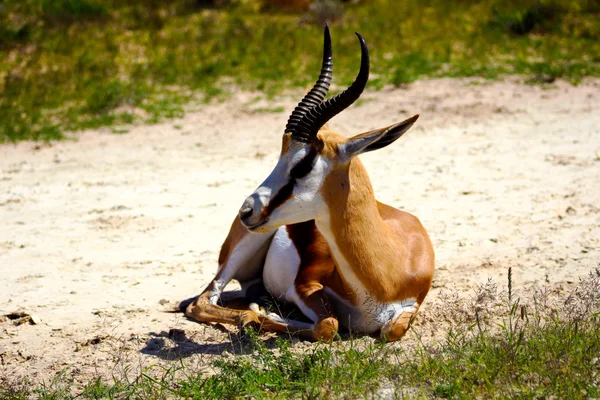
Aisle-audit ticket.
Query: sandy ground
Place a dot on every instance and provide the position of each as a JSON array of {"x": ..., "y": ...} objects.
[{"x": 96, "y": 232}]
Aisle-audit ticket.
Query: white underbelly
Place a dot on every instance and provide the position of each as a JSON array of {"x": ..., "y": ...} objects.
[{"x": 281, "y": 265}]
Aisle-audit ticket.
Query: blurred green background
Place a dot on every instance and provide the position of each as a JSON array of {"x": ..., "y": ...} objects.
[{"x": 72, "y": 64}]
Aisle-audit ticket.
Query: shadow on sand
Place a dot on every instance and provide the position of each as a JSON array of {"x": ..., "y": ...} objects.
[{"x": 176, "y": 344}]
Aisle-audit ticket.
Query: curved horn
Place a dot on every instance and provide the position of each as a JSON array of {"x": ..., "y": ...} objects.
[
  {"x": 317, "y": 93},
  {"x": 316, "y": 117}
]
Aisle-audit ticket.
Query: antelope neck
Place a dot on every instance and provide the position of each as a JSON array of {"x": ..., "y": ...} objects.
[{"x": 365, "y": 253}]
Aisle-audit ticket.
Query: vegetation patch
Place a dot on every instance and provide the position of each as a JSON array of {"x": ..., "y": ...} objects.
[
  {"x": 70, "y": 64},
  {"x": 542, "y": 345}
]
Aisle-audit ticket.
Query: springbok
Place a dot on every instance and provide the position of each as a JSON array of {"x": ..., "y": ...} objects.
[{"x": 314, "y": 234}]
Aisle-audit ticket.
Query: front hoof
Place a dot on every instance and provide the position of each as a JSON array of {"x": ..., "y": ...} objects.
[
  {"x": 326, "y": 329},
  {"x": 396, "y": 329}
]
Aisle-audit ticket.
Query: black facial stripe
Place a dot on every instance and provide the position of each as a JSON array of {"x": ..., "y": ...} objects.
[
  {"x": 301, "y": 169},
  {"x": 284, "y": 193},
  {"x": 305, "y": 165}
]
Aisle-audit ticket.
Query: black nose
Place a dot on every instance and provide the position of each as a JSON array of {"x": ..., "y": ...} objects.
[{"x": 245, "y": 212}]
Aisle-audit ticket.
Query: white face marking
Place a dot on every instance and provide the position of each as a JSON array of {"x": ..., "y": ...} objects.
[
  {"x": 283, "y": 199},
  {"x": 306, "y": 202}
]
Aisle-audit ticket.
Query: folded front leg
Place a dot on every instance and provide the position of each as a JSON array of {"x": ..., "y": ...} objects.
[
  {"x": 398, "y": 326},
  {"x": 310, "y": 297},
  {"x": 242, "y": 257}
]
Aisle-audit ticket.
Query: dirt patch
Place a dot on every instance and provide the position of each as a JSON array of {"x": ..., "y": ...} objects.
[{"x": 98, "y": 233}]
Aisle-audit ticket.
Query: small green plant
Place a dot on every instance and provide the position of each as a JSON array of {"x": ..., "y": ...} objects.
[
  {"x": 410, "y": 67},
  {"x": 104, "y": 97},
  {"x": 446, "y": 391},
  {"x": 268, "y": 110}
]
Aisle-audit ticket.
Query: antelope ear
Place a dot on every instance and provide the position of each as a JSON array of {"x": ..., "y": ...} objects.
[{"x": 376, "y": 139}]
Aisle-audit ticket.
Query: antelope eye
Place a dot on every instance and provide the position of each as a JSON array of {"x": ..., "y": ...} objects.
[{"x": 304, "y": 166}]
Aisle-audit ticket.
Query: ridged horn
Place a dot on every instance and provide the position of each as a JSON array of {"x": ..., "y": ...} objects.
[
  {"x": 307, "y": 128},
  {"x": 317, "y": 94}
]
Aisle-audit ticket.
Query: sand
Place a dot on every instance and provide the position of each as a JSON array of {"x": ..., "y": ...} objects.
[{"x": 98, "y": 233}]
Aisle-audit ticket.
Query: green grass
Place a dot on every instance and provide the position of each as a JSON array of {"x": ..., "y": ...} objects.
[
  {"x": 498, "y": 346},
  {"x": 72, "y": 64}
]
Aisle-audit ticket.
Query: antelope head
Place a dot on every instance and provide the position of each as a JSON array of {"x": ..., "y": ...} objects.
[{"x": 292, "y": 193}]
